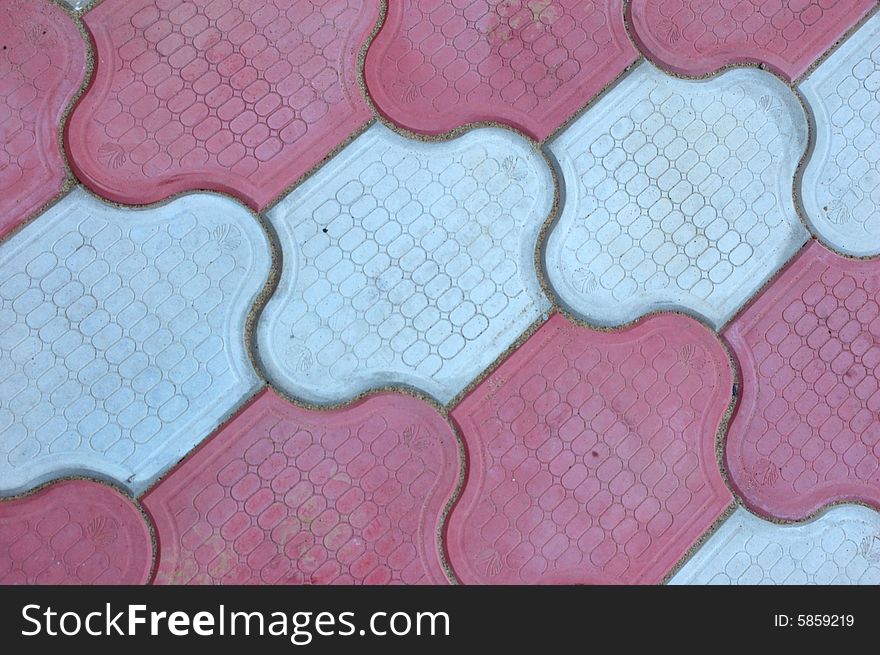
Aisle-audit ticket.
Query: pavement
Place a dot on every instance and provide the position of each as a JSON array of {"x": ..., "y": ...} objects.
[{"x": 439, "y": 291}]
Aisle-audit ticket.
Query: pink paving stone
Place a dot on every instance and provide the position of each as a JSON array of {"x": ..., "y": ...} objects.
[
  {"x": 592, "y": 455},
  {"x": 806, "y": 432},
  {"x": 42, "y": 64},
  {"x": 284, "y": 495},
  {"x": 695, "y": 37},
  {"x": 74, "y": 532},
  {"x": 242, "y": 97},
  {"x": 439, "y": 64}
]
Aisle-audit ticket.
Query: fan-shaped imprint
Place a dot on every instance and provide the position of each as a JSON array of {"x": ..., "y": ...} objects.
[
  {"x": 436, "y": 65},
  {"x": 807, "y": 430},
  {"x": 695, "y": 37},
  {"x": 678, "y": 196},
  {"x": 841, "y": 182},
  {"x": 242, "y": 97},
  {"x": 42, "y": 63},
  {"x": 74, "y": 532},
  {"x": 406, "y": 262},
  {"x": 592, "y": 455},
  {"x": 121, "y": 335},
  {"x": 840, "y": 547},
  {"x": 285, "y": 495}
]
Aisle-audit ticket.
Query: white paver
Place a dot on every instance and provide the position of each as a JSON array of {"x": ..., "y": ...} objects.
[
  {"x": 841, "y": 182},
  {"x": 678, "y": 195},
  {"x": 406, "y": 263},
  {"x": 122, "y": 335},
  {"x": 76, "y": 4},
  {"x": 841, "y": 546}
]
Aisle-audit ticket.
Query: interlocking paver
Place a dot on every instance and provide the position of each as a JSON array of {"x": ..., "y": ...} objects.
[
  {"x": 840, "y": 547},
  {"x": 806, "y": 432},
  {"x": 410, "y": 262},
  {"x": 74, "y": 532},
  {"x": 406, "y": 263},
  {"x": 678, "y": 196},
  {"x": 42, "y": 64},
  {"x": 592, "y": 455},
  {"x": 122, "y": 335},
  {"x": 439, "y": 64},
  {"x": 695, "y": 37},
  {"x": 243, "y": 97},
  {"x": 841, "y": 185},
  {"x": 287, "y": 495}
]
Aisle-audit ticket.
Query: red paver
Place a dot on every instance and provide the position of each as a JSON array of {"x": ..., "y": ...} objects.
[
  {"x": 592, "y": 455},
  {"x": 42, "y": 64},
  {"x": 438, "y": 64},
  {"x": 695, "y": 37},
  {"x": 807, "y": 429},
  {"x": 284, "y": 495},
  {"x": 243, "y": 97},
  {"x": 74, "y": 532}
]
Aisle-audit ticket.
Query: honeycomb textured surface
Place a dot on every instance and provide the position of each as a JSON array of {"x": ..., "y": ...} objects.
[
  {"x": 841, "y": 185},
  {"x": 286, "y": 495},
  {"x": 406, "y": 263},
  {"x": 297, "y": 273},
  {"x": 678, "y": 196},
  {"x": 696, "y": 37},
  {"x": 74, "y": 532},
  {"x": 121, "y": 336},
  {"x": 592, "y": 455},
  {"x": 242, "y": 97},
  {"x": 42, "y": 64},
  {"x": 806, "y": 432},
  {"x": 437, "y": 64},
  {"x": 840, "y": 547}
]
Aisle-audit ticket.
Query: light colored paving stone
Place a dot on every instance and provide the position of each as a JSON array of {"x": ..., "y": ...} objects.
[
  {"x": 840, "y": 547},
  {"x": 406, "y": 263},
  {"x": 841, "y": 186},
  {"x": 76, "y": 4},
  {"x": 122, "y": 335},
  {"x": 678, "y": 195}
]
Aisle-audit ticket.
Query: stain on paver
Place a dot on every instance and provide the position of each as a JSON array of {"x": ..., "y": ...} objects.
[
  {"x": 592, "y": 455},
  {"x": 529, "y": 63},
  {"x": 806, "y": 432},
  {"x": 288, "y": 495},
  {"x": 74, "y": 532},
  {"x": 42, "y": 64},
  {"x": 840, "y": 547},
  {"x": 121, "y": 335},
  {"x": 678, "y": 196},
  {"x": 841, "y": 185},
  {"x": 695, "y": 37},
  {"x": 242, "y": 97},
  {"x": 406, "y": 263}
]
